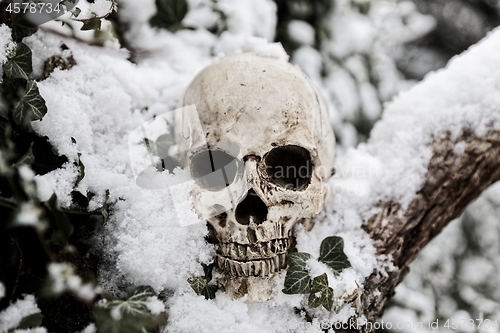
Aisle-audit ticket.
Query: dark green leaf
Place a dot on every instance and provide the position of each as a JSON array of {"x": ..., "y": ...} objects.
[
  {"x": 21, "y": 30},
  {"x": 297, "y": 279},
  {"x": 27, "y": 158},
  {"x": 91, "y": 24},
  {"x": 198, "y": 284},
  {"x": 31, "y": 321},
  {"x": 19, "y": 64},
  {"x": 202, "y": 288},
  {"x": 132, "y": 323},
  {"x": 321, "y": 294},
  {"x": 207, "y": 269},
  {"x": 60, "y": 221},
  {"x": 134, "y": 314},
  {"x": 300, "y": 258},
  {"x": 31, "y": 106},
  {"x": 209, "y": 291},
  {"x": 141, "y": 293},
  {"x": 331, "y": 253},
  {"x": 170, "y": 13}
]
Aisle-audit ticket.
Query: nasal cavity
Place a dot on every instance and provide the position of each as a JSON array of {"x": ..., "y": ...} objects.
[{"x": 251, "y": 209}]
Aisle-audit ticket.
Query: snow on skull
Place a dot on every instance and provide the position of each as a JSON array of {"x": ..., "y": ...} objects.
[{"x": 267, "y": 129}]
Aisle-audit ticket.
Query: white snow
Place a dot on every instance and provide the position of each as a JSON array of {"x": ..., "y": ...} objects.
[
  {"x": 30, "y": 215},
  {"x": 12, "y": 316},
  {"x": 433, "y": 108},
  {"x": 60, "y": 182},
  {"x": 154, "y": 305},
  {"x": 301, "y": 32},
  {"x": 63, "y": 278},
  {"x": 32, "y": 330},
  {"x": 262, "y": 47},
  {"x": 104, "y": 97},
  {"x": 6, "y": 45},
  {"x": 90, "y": 329}
]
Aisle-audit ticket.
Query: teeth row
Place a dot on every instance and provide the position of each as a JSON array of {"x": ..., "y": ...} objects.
[
  {"x": 262, "y": 268},
  {"x": 254, "y": 251}
]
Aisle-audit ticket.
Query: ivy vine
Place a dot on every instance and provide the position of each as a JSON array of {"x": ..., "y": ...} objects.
[{"x": 298, "y": 279}]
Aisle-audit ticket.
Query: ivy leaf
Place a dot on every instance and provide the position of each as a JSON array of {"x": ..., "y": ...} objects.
[
  {"x": 207, "y": 269},
  {"x": 62, "y": 226},
  {"x": 202, "y": 288},
  {"x": 21, "y": 30},
  {"x": 170, "y": 14},
  {"x": 19, "y": 64},
  {"x": 31, "y": 106},
  {"x": 297, "y": 279},
  {"x": 321, "y": 294},
  {"x": 198, "y": 284},
  {"x": 331, "y": 253},
  {"x": 130, "y": 315},
  {"x": 135, "y": 304},
  {"x": 91, "y": 24},
  {"x": 141, "y": 294},
  {"x": 209, "y": 291},
  {"x": 31, "y": 321}
]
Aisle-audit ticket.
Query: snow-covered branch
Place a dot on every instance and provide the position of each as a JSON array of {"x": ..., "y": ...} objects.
[{"x": 435, "y": 150}]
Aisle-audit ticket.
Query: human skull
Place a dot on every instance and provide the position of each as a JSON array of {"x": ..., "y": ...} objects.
[{"x": 264, "y": 124}]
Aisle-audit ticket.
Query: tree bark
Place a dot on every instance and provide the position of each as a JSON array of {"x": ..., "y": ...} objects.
[{"x": 454, "y": 179}]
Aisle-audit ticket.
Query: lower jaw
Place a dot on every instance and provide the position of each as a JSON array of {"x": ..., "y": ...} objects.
[{"x": 253, "y": 268}]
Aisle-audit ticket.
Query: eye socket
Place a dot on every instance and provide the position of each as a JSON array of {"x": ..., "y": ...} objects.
[
  {"x": 214, "y": 169},
  {"x": 289, "y": 166}
]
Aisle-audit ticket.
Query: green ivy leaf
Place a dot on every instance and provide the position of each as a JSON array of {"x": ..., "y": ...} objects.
[
  {"x": 62, "y": 226},
  {"x": 198, "y": 284},
  {"x": 141, "y": 294},
  {"x": 18, "y": 65},
  {"x": 134, "y": 315},
  {"x": 331, "y": 253},
  {"x": 297, "y": 279},
  {"x": 170, "y": 14},
  {"x": 209, "y": 291},
  {"x": 21, "y": 30},
  {"x": 92, "y": 24},
  {"x": 31, "y": 321},
  {"x": 207, "y": 269},
  {"x": 321, "y": 294},
  {"x": 202, "y": 288},
  {"x": 31, "y": 106},
  {"x": 135, "y": 304}
]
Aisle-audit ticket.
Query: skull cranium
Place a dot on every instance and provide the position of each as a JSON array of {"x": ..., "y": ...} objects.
[{"x": 267, "y": 127}]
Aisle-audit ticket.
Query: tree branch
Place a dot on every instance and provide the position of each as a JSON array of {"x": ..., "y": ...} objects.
[
  {"x": 452, "y": 182},
  {"x": 454, "y": 115}
]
